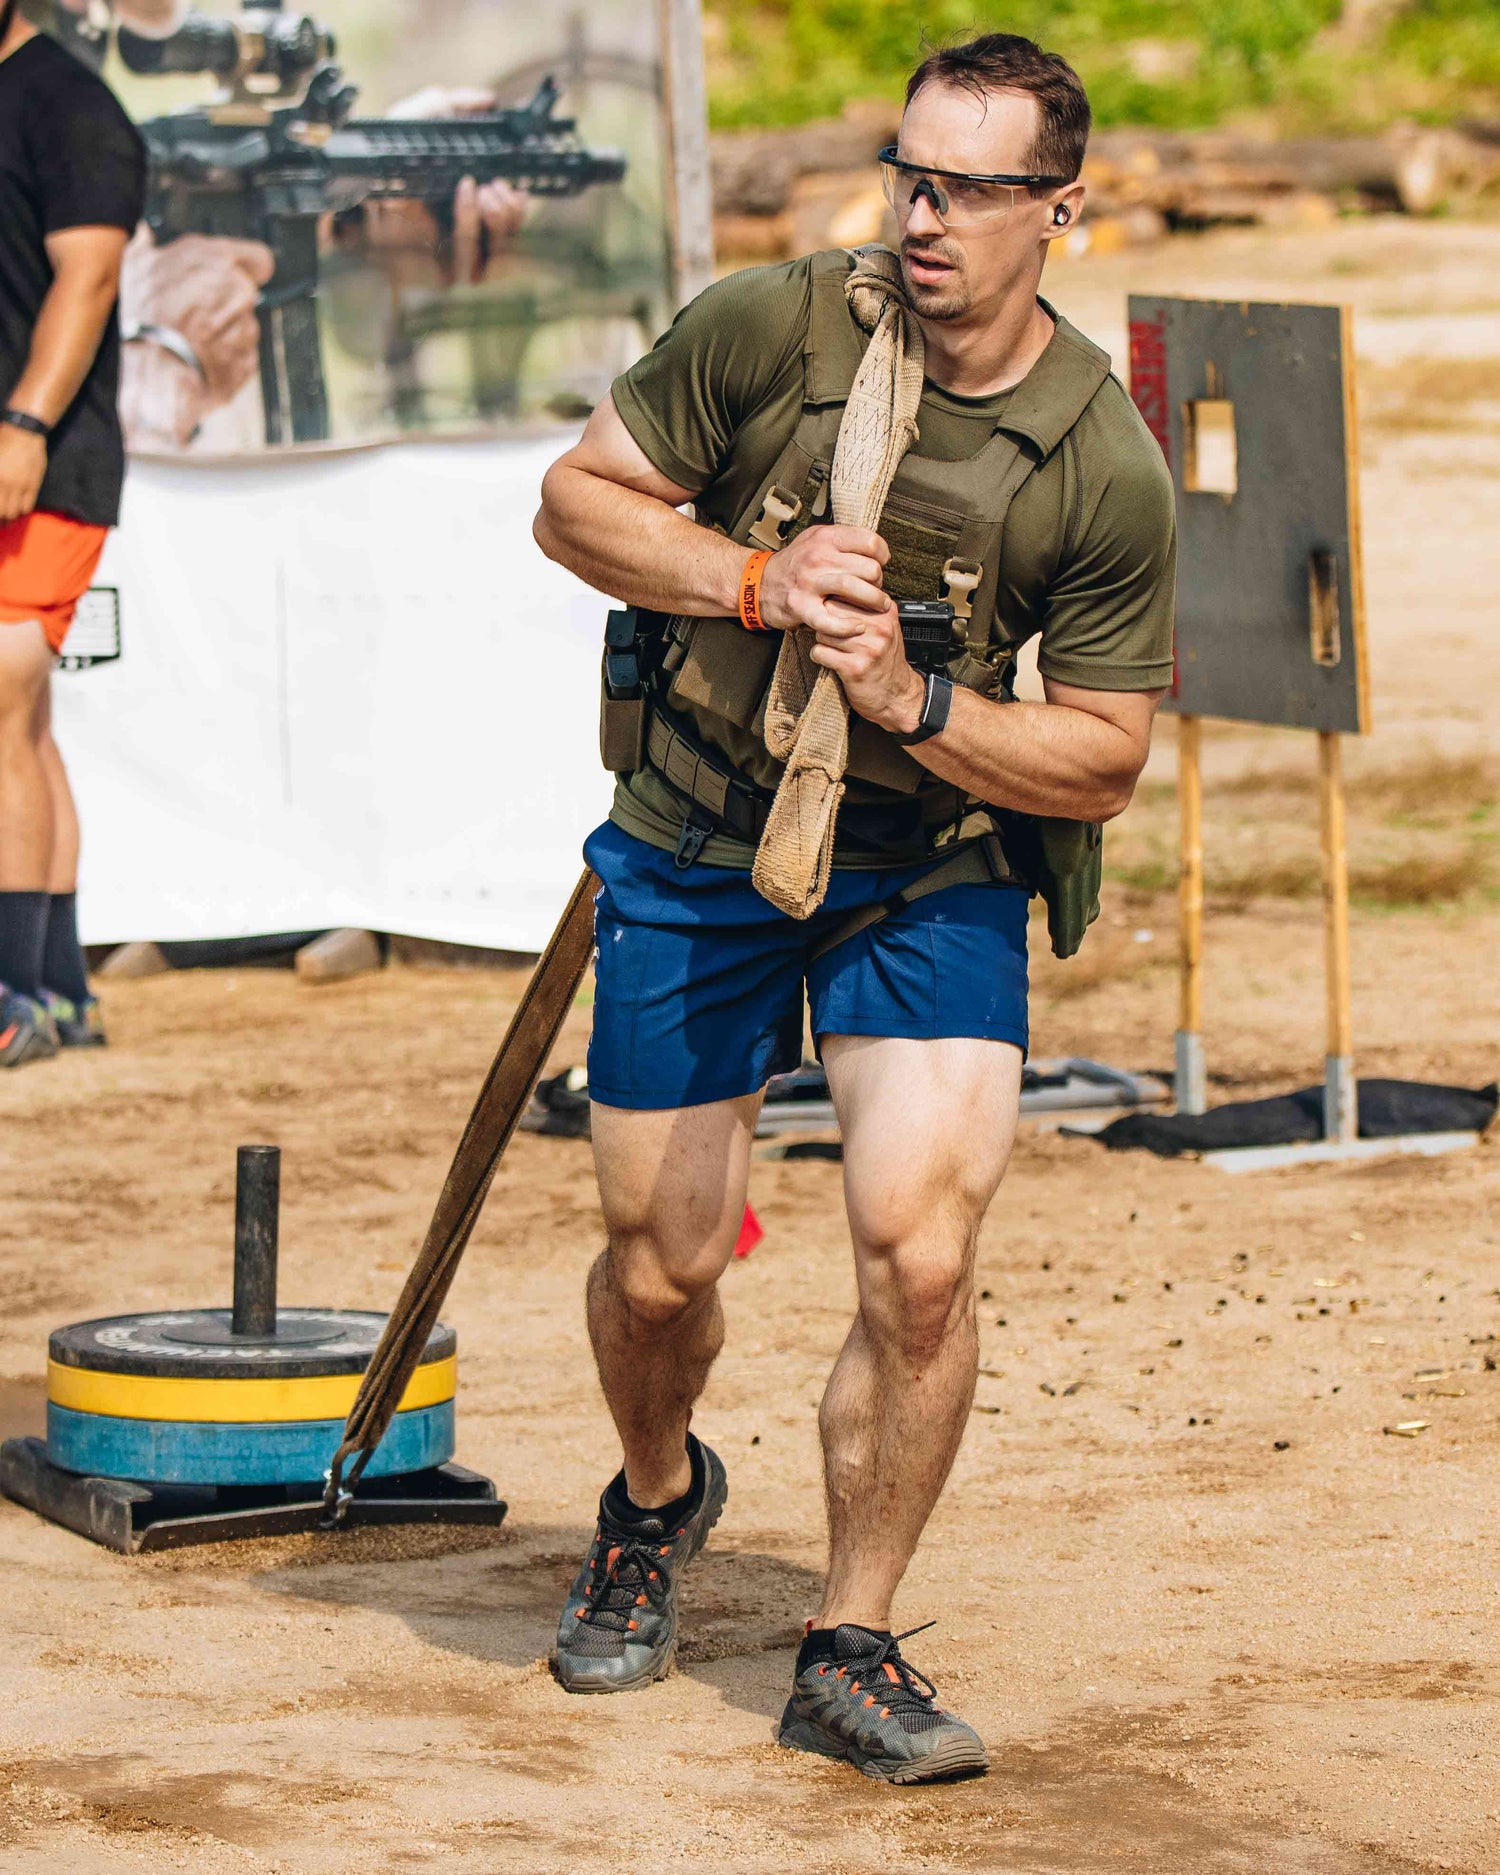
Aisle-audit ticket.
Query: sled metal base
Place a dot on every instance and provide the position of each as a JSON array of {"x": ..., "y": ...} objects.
[
  {"x": 131, "y": 1517},
  {"x": 1071, "y": 1093},
  {"x": 1336, "y": 1151}
]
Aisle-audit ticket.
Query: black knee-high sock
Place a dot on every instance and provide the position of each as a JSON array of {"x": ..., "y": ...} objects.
[
  {"x": 23, "y": 938},
  {"x": 63, "y": 968}
]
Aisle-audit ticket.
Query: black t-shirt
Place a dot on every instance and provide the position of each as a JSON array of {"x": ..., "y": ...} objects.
[{"x": 69, "y": 158}]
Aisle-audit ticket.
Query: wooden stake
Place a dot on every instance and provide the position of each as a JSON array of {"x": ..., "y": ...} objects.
[
  {"x": 689, "y": 185},
  {"x": 1191, "y": 1089},
  {"x": 1340, "y": 1096}
]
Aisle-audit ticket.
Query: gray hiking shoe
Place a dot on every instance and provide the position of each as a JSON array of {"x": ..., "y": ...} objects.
[
  {"x": 870, "y": 1706},
  {"x": 619, "y": 1628},
  {"x": 27, "y": 1031}
]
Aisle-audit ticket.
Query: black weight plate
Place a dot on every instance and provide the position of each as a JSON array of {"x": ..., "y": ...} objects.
[{"x": 160, "y": 1344}]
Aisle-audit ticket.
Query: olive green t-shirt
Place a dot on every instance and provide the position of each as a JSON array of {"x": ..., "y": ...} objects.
[{"x": 1089, "y": 546}]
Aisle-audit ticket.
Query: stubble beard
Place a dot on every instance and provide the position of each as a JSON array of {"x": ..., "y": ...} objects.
[{"x": 952, "y": 299}]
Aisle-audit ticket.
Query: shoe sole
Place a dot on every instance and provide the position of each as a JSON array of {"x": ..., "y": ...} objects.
[
  {"x": 956, "y": 1758},
  {"x": 713, "y": 1510},
  {"x": 36, "y": 1047},
  {"x": 641, "y": 1680}
]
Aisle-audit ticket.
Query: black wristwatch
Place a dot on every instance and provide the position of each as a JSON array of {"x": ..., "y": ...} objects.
[
  {"x": 23, "y": 420},
  {"x": 936, "y": 704}
]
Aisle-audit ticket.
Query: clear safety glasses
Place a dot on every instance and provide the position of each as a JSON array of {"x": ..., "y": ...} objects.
[{"x": 958, "y": 200}]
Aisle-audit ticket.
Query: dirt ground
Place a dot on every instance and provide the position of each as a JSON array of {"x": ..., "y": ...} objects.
[{"x": 1211, "y": 1618}]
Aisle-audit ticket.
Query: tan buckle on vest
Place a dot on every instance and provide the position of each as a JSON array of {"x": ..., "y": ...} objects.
[
  {"x": 960, "y": 577},
  {"x": 777, "y": 512}
]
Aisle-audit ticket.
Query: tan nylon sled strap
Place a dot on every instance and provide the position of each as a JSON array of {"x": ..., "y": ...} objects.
[
  {"x": 807, "y": 714},
  {"x": 507, "y": 1088}
]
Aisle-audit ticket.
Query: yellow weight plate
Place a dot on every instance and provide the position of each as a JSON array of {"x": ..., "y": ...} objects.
[{"x": 237, "y": 1402}]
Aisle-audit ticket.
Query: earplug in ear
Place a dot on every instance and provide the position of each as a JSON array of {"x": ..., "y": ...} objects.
[{"x": 1061, "y": 217}]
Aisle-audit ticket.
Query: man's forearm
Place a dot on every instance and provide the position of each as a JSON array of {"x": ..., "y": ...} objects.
[
  {"x": 1040, "y": 758},
  {"x": 64, "y": 341},
  {"x": 636, "y": 548}
]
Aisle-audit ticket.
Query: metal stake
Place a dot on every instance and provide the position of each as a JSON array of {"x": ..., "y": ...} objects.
[
  {"x": 1340, "y": 1090},
  {"x": 257, "y": 1204},
  {"x": 1191, "y": 1080}
]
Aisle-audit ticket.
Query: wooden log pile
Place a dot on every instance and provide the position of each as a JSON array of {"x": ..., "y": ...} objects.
[
  {"x": 784, "y": 192},
  {"x": 1204, "y": 178}
]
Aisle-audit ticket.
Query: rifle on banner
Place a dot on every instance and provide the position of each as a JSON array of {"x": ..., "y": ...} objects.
[{"x": 278, "y": 149}]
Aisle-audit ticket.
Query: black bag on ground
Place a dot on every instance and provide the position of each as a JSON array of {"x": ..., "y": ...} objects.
[{"x": 1386, "y": 1110}]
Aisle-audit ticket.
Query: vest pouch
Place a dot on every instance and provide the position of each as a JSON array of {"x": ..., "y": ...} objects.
[
  {"x": 727, "y": 672},
  {"x": 873, "y": 756},
  {"x": 1063, "y": 861},
  {"x": 724, "y": 669},
  {"x": 622, "y": 732}
]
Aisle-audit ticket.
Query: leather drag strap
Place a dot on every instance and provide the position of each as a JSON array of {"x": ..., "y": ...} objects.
[{"x": 507, "y": 1088}]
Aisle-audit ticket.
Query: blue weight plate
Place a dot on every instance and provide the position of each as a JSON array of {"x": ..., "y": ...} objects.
[{"x": 163, "y": 1451}]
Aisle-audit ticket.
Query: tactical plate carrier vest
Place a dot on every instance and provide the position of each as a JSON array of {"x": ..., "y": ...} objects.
[{"x": 944, "y": 524}]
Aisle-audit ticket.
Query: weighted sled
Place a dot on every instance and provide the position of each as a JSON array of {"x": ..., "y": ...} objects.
[{"x": 252, "y": 1395}]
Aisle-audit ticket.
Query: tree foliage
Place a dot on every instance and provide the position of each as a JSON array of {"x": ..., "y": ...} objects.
[{"x": 1171, "y": 63}]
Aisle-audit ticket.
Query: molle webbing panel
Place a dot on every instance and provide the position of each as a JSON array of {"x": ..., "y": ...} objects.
[{"x": 919, "y": 551}]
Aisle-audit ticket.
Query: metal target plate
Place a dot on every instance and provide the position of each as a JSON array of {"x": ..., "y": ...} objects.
[{"x": 1253, "y": 406}]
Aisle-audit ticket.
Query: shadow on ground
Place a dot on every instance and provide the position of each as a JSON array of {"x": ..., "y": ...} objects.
[{"x": 500, "y": 1603}]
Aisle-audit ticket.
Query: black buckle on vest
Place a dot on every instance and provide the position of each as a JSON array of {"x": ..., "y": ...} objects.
[{"x": 692, "y": 840}]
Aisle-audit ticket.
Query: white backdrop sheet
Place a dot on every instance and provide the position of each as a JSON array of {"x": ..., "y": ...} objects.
[{"x": 352, "y": 692}]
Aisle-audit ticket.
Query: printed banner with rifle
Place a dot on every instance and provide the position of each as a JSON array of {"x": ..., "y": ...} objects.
[{"x": 388, "y": 217}]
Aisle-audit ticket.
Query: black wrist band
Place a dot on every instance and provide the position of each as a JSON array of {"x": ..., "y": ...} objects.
[
  {"x": 935, "y": 707},
  {"x": 23, "y": 420}
]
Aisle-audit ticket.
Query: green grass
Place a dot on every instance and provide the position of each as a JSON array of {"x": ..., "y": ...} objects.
[
  {"x": 1424, "y": 834},
  {"x": 1172, "y": 64}
]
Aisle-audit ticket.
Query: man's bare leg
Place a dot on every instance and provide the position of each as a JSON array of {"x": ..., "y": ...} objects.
[
  {"x": 62, "y": 875},
  {"x": 27, "y": 816},
  {"x": 928, "y": 1127},
  {"x": 672, "y": 1185}
]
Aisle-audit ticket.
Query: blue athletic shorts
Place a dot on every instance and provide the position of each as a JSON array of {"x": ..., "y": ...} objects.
[{"x": 699, "y": 981}]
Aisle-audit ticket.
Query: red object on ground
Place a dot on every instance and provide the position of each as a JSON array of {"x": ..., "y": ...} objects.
[{"x": 750, "y": 1234}]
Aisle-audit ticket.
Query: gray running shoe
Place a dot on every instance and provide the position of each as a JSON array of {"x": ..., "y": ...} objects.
[
  {"x": 870, "y": 1706},
  {"x": 27, "y": 1031},
  {"x": 619, "y": 1628}
]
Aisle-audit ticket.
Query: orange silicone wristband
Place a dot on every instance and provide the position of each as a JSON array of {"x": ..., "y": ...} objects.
[{"x": 750, "y": 614}]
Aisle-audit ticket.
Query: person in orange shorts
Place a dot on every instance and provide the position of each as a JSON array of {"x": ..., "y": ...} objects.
[{"x": 72, "y": 188}]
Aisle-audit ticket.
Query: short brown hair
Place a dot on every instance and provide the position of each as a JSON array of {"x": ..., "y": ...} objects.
[{"x": 1007, "y": 62}]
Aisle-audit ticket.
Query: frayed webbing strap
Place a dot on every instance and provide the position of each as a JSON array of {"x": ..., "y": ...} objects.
[{"x": 807, "y": 713}]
